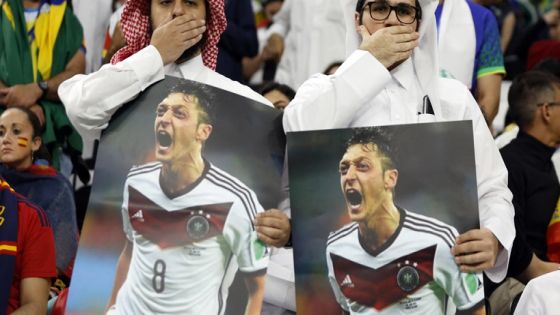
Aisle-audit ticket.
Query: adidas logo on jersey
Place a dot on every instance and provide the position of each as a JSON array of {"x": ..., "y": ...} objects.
[
  {"x": 138, "y": 216},
  {"x": 347, "y": 282}
]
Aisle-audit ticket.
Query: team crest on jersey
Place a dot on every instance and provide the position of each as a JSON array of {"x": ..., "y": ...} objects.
[
  {"x": 408, "y": 278},
  {"x": 198, "y": 225}
]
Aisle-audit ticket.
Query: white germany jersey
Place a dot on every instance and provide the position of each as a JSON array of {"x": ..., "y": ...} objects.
[
  {"x": 187, "y": 247},
  {"x": 412, "y": 273}
]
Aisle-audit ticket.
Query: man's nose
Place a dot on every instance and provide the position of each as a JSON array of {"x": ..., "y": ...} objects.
[
  {"x": 166, "y": 118},
  {"x": 351, "y": 173},
  {"x": 178, "y": 8},
  {"x": 392, "y": 18}
]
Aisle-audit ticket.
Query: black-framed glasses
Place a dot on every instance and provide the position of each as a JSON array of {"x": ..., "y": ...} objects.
[
  {"x": 549, "y": 104},
  {"x": 380, "y": 11}
]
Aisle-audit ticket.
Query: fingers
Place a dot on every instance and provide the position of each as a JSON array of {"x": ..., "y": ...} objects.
[
  {"x": 273, "y": 227},
  {"x": 269, "y": 241},
  {"x": 470, "y": 247},
  {"x": 390, "y": 45},
  {"x": 406, "y": 37},
  {"x": 273, "y": 218},
  {"x": 364, "y": 32},
  {"x": 270, "y": 232},
  {"x": 475, "y": 250},
  {"x": 475, "y": 262},
  {"x": 272, "y": 236},
  {"x": 405, "y": 47},
  {"x": 469, "y": 236},
  {"x": 175, "y": 36},
  {"x": 269, "y": 221},
  {"x": 271, "y": 213},
  {"x": 400, "y": 29}
]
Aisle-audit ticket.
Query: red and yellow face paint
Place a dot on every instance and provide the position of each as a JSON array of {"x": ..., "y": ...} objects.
[{"x": 22, "y": 141}]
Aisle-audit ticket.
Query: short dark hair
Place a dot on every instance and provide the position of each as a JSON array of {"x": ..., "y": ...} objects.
[
  {"x": 550, "y": 65},
  {"x": 282, "y": 88},
  {"x": 203, "y": 98},
  {"x": 527, "y": 90},
  {"x": 360, "y": 7},
  {"x": 375, "y": 139}
]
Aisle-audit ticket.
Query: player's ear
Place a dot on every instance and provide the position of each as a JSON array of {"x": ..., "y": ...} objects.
[
  {"x": 390, "y": 178},
  {"x": 203, "y": 131}
]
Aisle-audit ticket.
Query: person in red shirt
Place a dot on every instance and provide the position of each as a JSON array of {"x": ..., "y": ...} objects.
[{"x": 27, "y": 255}]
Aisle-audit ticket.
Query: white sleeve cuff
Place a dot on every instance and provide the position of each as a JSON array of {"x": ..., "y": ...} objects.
[
  {"x": 357, "y": 72},
  {"x": 147, "y": 65}
]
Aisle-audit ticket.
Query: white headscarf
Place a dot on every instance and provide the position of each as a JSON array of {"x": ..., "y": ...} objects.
[{"x": 424, "y": 57}]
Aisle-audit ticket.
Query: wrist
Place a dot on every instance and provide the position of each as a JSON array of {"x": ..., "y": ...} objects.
[{"x": 43, "y": 88}]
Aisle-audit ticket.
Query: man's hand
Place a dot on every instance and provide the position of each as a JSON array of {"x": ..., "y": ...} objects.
[
  {"x": 476, "y": 250},
  {"x": 25, "y": 95},
  {"x": 273, "y": 227},
  {"x": 174, "y": 36},
  {"x": 390, "y": 45}
]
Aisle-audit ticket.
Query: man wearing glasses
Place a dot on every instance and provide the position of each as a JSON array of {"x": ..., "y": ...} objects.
[
  {"x": 391, "y": 77},
  {"x": 533, "y": 99}
]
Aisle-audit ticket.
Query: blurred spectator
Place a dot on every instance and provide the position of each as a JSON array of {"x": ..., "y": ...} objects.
[
  {"x": 27, "y": 258},
  {"x": 278, "y": 94},
  {"x": 114, "y": 38},
  {"x": 546, "y": 27},
  {"x": 470, "y": 51},
  {"x": 239, "y": 40},
  {"x": 533, "y": 98},
  {"x": 331, "y": 69},
  {"x": 94, "y": 16},
  {"x": 34, "y": 61},
  {"x": 543, "y": 49},
  {"x": 308, "y": 34},
  {"x": 262, "y": 68},
  {"x": 541, "y": 296},
  {"x": 20, "y": 136}
]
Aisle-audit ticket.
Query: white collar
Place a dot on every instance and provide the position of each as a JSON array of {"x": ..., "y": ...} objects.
[
  {"x": 189, "y": 69},
  {"x": 404, "y": 74}
]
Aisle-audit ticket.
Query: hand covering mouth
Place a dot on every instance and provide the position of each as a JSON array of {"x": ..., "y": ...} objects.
[
  {"x": 354, "y": 197},
  {"x": 164, "y": 139}
]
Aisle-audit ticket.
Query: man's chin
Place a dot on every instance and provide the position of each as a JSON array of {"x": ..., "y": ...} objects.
[
  {"x": 163, "y": 157},
  {"x": 355, "y": 214},
  {"x": 190, "y": 53}
]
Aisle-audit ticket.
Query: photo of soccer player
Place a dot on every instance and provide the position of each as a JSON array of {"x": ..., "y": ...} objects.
[
  {"x": 388, "y": 259},
  {"x": 188, "y": 222}
]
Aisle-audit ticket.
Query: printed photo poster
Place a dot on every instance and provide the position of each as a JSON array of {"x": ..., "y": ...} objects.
[
  {"x": 375, "y": 212},
  {"x": 180, "y": 174}
]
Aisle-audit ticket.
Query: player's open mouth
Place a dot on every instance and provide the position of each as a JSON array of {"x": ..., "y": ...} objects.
[
  {"x": 164, "y": 139},
  {"x": 354, "y": 198}
]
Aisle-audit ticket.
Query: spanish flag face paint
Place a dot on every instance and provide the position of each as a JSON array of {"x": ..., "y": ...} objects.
[{"x": 22, "y": 142}]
